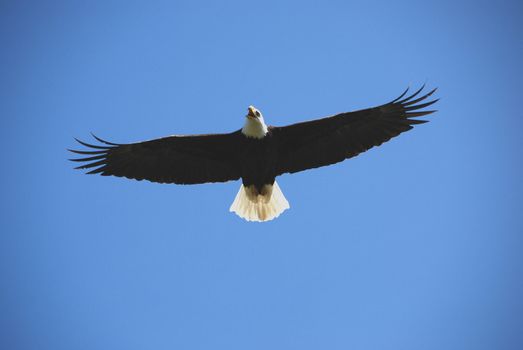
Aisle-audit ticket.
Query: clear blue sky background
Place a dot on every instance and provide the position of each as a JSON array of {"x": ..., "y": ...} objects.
[{"x": 413, "y": 245}]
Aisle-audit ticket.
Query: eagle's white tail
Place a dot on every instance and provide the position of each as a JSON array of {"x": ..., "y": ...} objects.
[{"x": 264, "y": 206}]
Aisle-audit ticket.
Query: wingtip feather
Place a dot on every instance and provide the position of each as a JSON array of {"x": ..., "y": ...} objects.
[
  {"x": 419, "y": 99},
  {"x": 91, "y": 146},
  {"x": 420, "y": 106},
  {"x": 406, "y": 99},
  {"x": 400, "y": 96},
  {"x": 419, "y": 114},
  {"x": 104, "y": 141}
]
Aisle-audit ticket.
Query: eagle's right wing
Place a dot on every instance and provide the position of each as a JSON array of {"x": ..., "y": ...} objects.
[
  {"x": 333, "y": 139},
  {"x": 190, "y": 159}
]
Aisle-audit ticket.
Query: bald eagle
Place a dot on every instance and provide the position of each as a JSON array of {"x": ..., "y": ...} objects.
[{"x": 257, "y": 153}]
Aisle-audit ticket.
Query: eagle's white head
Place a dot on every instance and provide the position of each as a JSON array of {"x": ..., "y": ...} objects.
[{"x": 254, "y": 124}]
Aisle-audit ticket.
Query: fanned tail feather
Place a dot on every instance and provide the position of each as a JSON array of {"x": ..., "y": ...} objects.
[{"x": 253, "y": 206}]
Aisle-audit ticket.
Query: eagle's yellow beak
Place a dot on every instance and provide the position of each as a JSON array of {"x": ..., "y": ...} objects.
[{"x": 251, "y": 112}]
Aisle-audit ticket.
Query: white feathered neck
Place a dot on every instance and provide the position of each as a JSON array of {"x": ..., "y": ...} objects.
[{"x": 255, "y": 127}]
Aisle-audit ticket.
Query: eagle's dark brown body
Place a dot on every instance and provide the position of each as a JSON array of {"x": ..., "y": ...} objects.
[{"x": 258, "y": 160}]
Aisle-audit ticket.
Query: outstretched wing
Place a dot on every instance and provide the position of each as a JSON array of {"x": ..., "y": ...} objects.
[
  {"x": 190, "y": 159},
  {"x": 333, "y": 139}
]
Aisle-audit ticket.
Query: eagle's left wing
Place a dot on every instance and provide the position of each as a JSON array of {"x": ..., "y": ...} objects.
[
  {"x": 333, "y": 139},
  {"x": 187, "y": 159}
]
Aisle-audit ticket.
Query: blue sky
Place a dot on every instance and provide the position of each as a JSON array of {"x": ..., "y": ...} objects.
[{"x": 413, "y": 245}]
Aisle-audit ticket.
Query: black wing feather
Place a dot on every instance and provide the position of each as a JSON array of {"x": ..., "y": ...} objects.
[
  {"x": 190, "y": 159},
  {"x": 333, "y": 139}
]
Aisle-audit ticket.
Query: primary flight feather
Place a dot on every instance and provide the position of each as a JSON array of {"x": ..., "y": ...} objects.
[{"x": 257, "y": 153}]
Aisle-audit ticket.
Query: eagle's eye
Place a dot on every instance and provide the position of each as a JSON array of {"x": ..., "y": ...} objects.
[{"x": 257, "y": 113}]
